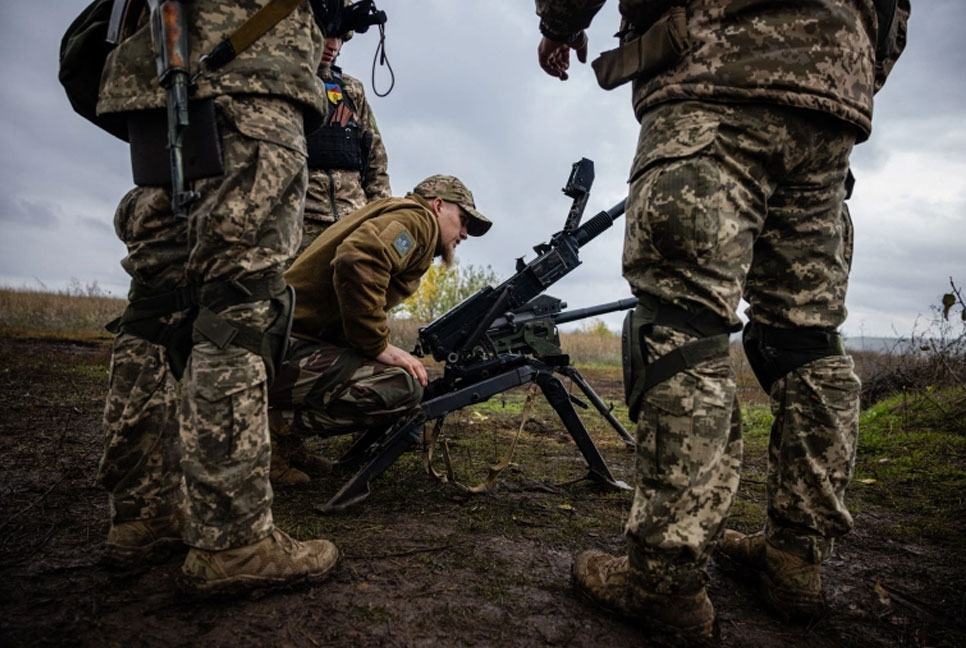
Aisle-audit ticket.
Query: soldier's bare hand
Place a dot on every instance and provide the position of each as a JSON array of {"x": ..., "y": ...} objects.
[
  {"x": 396, "y": 357},
  {"x": 554, "y": 56}
]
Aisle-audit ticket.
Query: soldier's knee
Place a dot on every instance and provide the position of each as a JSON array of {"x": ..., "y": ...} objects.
[
  {"x": 708, "y": 337},
  {"x": 773, "y": 353}
]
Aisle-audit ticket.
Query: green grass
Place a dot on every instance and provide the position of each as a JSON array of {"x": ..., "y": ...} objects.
[{"x": 910, "y": 460}]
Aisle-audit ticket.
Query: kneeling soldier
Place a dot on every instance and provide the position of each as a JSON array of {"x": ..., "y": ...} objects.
[{"x": 341, "y": 374}]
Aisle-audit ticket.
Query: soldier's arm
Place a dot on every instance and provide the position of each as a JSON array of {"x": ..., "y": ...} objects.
[
  {"x": 376, "y": 178},
  {"x": 895, "y": 45},
  {"x": 561, "y": 20},
  {"x": 562, "y": 24},
  {"x": 376, "y": 184}
]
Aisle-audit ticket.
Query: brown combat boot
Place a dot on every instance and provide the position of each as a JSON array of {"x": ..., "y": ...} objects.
[
  {"x": 675, "y": 619},
  {"x": 301, "y": 457},
  {"x": 282, "y": 474},
  {"x": 274, "y": 561},
  {"x": 791, "y": 586},
  {"x": 293, "y": 462},
  {"x": 140, "y": 542}
]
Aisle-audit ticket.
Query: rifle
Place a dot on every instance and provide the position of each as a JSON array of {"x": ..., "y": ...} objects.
[
  {"x": 497, "y": 339},
  {"x": 169, "y": 32}
]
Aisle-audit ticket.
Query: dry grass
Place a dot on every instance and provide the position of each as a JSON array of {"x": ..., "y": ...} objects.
[{"x": 65, "y": 314}]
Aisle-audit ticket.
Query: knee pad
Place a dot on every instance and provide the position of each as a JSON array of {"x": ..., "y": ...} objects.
[
  {"x": 144, "y": 317},
  {"x": 640, "y": 374},
  {"x": 773, "y": 353},
  {"x": 270, "y": 343}
]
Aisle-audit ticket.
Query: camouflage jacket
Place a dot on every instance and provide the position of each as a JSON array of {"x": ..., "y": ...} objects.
[
  {"x": 281, "y": 63},
  {"x": 334, "y": 193},
  {"x": 817, "y": 55},
  {"x": 347, "y": 281}
]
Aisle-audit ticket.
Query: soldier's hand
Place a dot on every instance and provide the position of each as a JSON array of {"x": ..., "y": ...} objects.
[
  {"x": 396, "y": 357},
  {"x": 554, "y": 56}
]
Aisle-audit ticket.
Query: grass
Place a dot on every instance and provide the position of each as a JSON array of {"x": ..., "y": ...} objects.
[
  {"x": 910, "y": 460},
  {"x": 57, "y": 315}
]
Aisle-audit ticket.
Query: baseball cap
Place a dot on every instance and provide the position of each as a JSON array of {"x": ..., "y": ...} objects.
[{"x": 452, "y": 190}]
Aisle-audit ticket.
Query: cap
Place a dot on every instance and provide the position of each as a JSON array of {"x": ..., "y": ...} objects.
[{"x": 452, "y": 190}]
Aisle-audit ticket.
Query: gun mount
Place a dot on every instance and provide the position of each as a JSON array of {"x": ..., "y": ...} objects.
[{"x": 497, "y": 339}]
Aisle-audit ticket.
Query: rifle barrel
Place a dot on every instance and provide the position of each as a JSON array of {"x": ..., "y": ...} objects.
[
  {"x": 590, "y": 311},
  {"x": 589, "y": 230}
]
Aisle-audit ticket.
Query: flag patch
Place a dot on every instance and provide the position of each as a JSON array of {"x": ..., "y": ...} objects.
[
  {"x": 334, "y": 92},
  {"x": 403, "y": 244}
]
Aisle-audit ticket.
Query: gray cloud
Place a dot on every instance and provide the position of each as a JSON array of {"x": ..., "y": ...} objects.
[{"x": 470, "y": 100}]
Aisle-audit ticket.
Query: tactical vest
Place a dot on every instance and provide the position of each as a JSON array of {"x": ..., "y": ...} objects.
[{"x": 340, "y": 142}]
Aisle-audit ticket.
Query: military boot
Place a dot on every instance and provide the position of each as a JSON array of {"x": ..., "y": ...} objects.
[
  {"x": 274, "y": 561},
  {"x": 140, "y": 542},
  {"x": 791, "y": 586},
  {"x": 281, "y": 472},
  {"x": 299, "y": 456},
  {"x": 609, "y": 582}
]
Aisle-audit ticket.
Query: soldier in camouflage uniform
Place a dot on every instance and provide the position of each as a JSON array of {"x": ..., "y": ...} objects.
[
  {"x": 347, "y": 157},
  {"x": 204, "y": 483},
  {"x": 341, "y": 373},
  {"x": 748, "y": 112}
]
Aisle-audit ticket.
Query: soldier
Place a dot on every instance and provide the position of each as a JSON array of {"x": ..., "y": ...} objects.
[
  {"x": 213, "y": 279},
  {"x": 347, "y": 157},
  {"x": 748, "y": 112},
  {"x": 341, "y": 374}
]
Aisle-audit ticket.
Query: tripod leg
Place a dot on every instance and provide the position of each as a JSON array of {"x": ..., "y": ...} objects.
[
  {"x": 594, "y": 398},
  {"x": 559, "y": 399},
  {"x": 398, "y": 440}
]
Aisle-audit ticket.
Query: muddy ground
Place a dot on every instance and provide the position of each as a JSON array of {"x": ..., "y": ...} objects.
[{"x": 424, "y": 564}]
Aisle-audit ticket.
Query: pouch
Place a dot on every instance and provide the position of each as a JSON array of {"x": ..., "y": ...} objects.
[
  {"x": 662, "y": 45},
  {"x": 200, "y": 145}
]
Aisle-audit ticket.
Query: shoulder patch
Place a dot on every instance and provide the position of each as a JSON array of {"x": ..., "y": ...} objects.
[{"x": 403, "y": 244}]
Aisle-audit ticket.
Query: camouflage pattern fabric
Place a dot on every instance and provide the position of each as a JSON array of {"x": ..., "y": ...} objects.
[
  {"x": 333, "y": 193},
  {"x": 282, "y": 63},
  {"x": 729, "y": 201},
  {"x": 247, "y": 225},
  {"x": 752, "y": 51},
  {"x": 811, "y": 457},
  {"x": 140, "y": 467},
  {"x": 326, "y": 390}
]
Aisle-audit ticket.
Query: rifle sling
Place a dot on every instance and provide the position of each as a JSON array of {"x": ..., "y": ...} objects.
[{"x": 249, "y": 32}]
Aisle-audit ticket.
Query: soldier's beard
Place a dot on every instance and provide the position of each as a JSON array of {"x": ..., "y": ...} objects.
[{"x": 447, "y": 255}]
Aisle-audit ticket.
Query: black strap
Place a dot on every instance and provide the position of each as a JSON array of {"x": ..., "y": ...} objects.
[
  {"x": 702, "y": 323},
  {"x": 217, "y": 296},
  {"x": 684, "y": 357},
  {"x": 247, "y": 33}
]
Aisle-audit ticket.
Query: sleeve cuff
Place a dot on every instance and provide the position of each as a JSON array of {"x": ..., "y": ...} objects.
[{"x": 568, "y": 38}]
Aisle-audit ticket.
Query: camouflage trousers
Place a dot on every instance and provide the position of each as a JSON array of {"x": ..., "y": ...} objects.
[
  {"x": 732, "y": 201},
  {"x": 212, "y": 458},
  {"x": 327, "y": 390}
]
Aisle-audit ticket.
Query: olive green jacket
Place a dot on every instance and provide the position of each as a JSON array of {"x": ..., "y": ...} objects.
[{"x": 352, "y": 275}]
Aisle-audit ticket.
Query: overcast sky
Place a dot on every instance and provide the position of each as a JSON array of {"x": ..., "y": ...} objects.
[{"x": 471, "y": 101}]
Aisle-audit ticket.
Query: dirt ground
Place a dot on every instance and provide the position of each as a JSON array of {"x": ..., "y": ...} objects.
[{"x": 423, "y": 563}]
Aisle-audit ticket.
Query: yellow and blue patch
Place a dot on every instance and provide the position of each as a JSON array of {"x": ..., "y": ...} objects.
[{"x": 334, "y": 92}]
